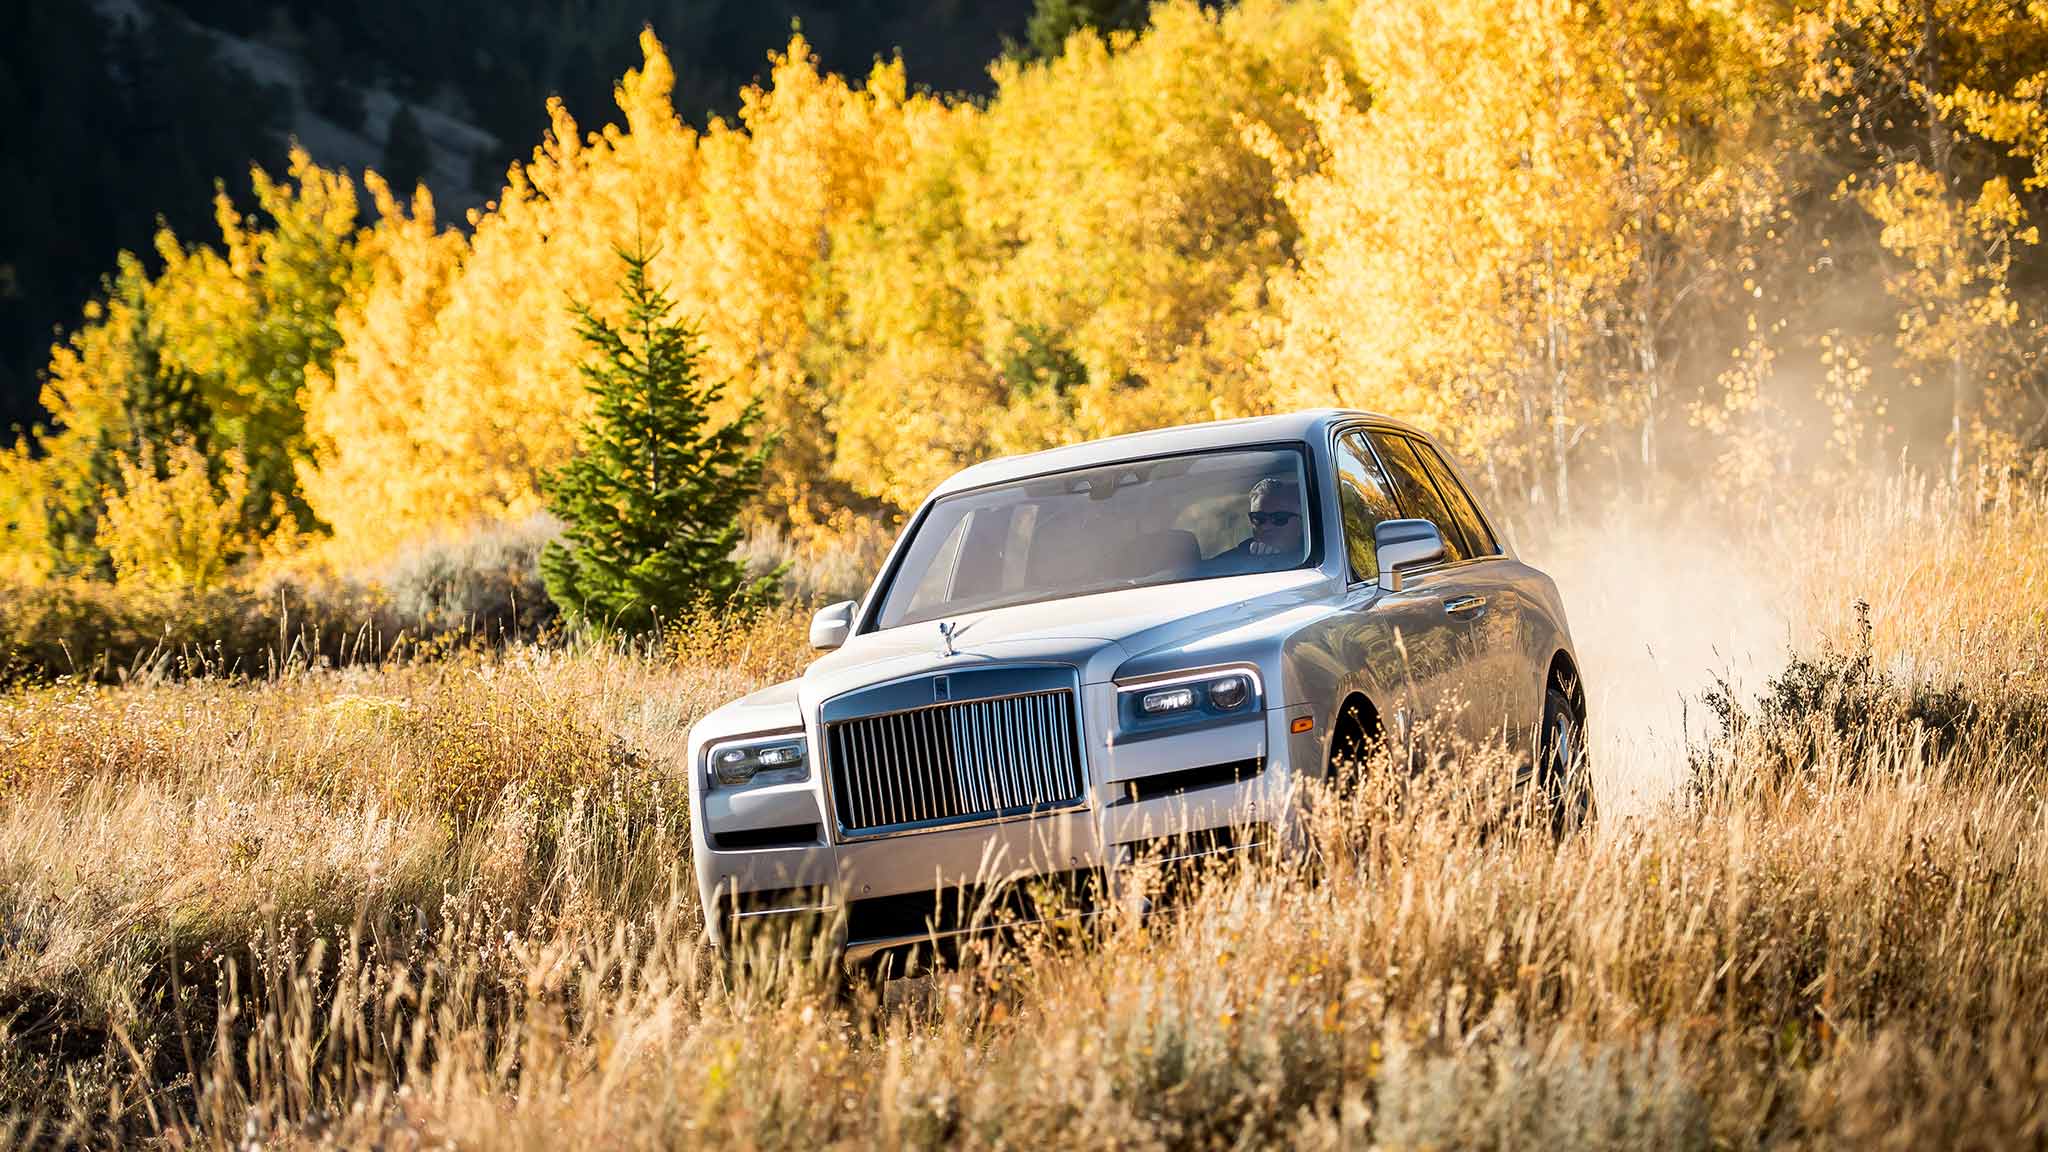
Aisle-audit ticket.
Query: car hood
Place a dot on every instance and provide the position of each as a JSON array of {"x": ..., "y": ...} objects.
[
  {"x": 1096, "y": 634},
  {"x": 1093, "y": 632}
]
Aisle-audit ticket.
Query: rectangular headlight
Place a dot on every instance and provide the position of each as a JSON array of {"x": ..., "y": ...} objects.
[
  {"x": 765, "y": 760},
  {"x": 1166, "y": 700}
]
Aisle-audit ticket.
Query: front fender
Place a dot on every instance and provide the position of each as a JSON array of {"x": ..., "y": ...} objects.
[{"x": 1342, "y": 654}]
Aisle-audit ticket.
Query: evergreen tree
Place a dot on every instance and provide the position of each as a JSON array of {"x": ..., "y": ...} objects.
[{"x": 652, "y": 501}]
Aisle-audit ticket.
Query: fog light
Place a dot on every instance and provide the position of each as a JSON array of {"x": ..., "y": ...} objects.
[
  {"x": 1229, "y": 693},
  {"x": 1170, "y": 700}
]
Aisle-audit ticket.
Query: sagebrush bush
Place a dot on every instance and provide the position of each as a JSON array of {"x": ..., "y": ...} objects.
[
  {"x": 1837, "y": 708},
  {"x": 820, "y": 565},
  {"x": 455, "y": 593},
  {"x": 484, "y": 582},
  {"x": 93, "y": 630}
]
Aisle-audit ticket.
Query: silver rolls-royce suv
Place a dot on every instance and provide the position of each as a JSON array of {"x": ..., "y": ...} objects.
[{"x": 1071, "y": 655}]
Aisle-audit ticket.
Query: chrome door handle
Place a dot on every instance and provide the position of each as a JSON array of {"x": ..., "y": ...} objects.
[{"x": 1464, "y": 604}]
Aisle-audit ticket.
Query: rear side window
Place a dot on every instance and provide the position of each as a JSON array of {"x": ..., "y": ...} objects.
[
  {"x": 1478, "y": 537},
  {"x": 1364, "y": 499},
  {"x": 1418, "y": 496}
]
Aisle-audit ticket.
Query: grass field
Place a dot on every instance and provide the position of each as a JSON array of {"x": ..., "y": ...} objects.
[{"x": 449, "y": 903}]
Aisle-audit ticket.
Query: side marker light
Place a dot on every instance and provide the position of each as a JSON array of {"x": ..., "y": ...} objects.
[{"x": 1301, "y": 724}]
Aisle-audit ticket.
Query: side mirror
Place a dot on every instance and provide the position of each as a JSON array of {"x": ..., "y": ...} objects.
[
  {"x": 1402, "y": 544},
  {"x": 830, "y": 626}
]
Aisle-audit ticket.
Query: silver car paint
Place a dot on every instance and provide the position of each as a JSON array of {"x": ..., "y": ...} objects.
[{"x": 1315, "y": 638}]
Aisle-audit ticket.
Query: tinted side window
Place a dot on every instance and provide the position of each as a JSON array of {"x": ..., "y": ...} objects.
[
  {"x": 1418, "y": 496},
  {"x": 1364, "y": 499},
  {"x": 1477, "y": 536}
]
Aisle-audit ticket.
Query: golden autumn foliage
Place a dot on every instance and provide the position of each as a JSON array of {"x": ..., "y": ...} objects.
[
  {"x": 466, "y": 388},
  {"x": 1087, "y": 256},
  {"x": 174, "y": 531},
  {"x": 1589, "y": 245},
  {"x": 1508, "y": 243},
  {"x": 1958, "y": 317},
  {"x": 885, "y": 272},
  {"x": 213, "y": 348}
]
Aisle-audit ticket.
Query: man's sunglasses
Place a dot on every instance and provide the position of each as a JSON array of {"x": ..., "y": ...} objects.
[{"x": 1276, "y": 519}]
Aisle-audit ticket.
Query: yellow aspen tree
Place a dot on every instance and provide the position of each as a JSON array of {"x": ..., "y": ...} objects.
[
  {"x": 894, "y": 330},
  {"x": 739, "y": 218},
  {"x": 808, "y": 154},
  {"x": 1915, "y": 89},
  {"x": 248, "y": 320},
  {"x": 1086, "y": 255},
  {"x": 1459, "y": 236},
  {"x": 367, "y": 466},
  {"x": 167, "y": 527},
  {"x": 1696, "y": 96},
  {"x": 499, "y": 401},
  {"x": 214, "y": 349},
  {"x": 1129, "y": 208},
  {"x": 51, "y": 478},
  {"x": 1958, "y": 316}
]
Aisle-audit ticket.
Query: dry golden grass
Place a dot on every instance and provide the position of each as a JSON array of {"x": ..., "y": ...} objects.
[{"x": 449, "y": 903}]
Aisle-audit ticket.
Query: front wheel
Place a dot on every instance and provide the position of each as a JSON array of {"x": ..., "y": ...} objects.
[
  {"x": 1351, "y": 746},
  {"x": 1563, "y": 770}
]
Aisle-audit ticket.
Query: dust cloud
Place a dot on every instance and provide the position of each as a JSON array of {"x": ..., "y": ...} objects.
[{"x": 1660, "y": 605}]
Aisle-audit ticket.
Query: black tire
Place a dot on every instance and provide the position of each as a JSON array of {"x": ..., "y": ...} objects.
[
  {"x": 1351, "y": 740},
  {"x": 1564, "y": 774}
]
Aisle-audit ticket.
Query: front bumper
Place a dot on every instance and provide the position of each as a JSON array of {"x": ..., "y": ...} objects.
[{"x": 1216, "y": 790}]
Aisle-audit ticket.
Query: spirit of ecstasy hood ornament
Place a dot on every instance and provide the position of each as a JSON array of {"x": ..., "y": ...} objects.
[{"x": 946, "y": 638}]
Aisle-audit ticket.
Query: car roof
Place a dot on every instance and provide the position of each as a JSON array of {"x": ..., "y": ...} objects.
[{"x": 1302, "y": 426}]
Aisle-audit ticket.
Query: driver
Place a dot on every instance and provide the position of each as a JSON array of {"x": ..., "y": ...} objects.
[{"x": 1276, "y": 524}]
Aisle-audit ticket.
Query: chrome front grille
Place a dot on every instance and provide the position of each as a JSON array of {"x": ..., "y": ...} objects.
[{"x": 955, "y": 762}]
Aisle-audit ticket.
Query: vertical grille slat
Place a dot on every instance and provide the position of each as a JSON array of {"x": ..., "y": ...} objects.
[
  {"x": 966, "y": 765},
  {"x": 1006, "y": 748},
  {"x": 871, "y": 769},
  {"x": 1019, "y": 748},
  {"x": 939, "y": 753},
  {"x": 986, "y": 749},
  {"x": 955, "y": 762},
  {"x": 914, "y": 727},
  {"x": 1049, "y": 713},
  {"x": 1063, "y": 751},
  {"x": 1020, "y": 795},
  {"x": 901, "y": 797},
  {"x": 968, "y": 739},
  {"x": 863, "y": 789},
  {"x": 977, "y": 755},
  {"x": 885, "y": 781},
  {"x": 914, "y": 782},
  {"x": 1040, "y": 749}
]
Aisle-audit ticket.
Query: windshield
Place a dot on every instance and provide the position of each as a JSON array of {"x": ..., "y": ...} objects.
[{"x": 1120, "y": 526}]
